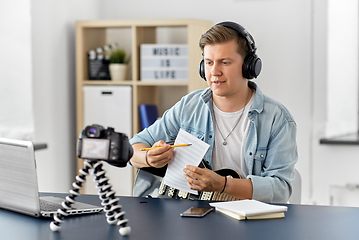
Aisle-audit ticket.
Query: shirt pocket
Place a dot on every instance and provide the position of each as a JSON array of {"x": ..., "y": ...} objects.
[
  {"x": 194, "y": 132},
  {"x": 258, "y": 161}
]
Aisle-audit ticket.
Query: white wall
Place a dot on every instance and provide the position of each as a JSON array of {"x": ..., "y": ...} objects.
[
  {"x": 291, "y": 40},
  {"x": 53, "y": 47},
  {"x": 16, "y": 111}
]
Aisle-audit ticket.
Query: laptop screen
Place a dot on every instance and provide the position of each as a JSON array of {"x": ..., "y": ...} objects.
[{"x": 18, "y": 179}]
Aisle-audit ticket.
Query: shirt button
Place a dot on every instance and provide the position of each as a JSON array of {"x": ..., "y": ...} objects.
[
  {"x": 210, "y": 136},
  {"x": 262, "y": 155},
  {"x": 250, "y": 154}
]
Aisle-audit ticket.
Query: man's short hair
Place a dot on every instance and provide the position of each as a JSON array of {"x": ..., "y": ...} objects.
[{"x": 220, "y": 34}]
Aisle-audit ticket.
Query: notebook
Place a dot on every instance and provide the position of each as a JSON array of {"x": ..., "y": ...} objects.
[{"x": 19, "y": 186}]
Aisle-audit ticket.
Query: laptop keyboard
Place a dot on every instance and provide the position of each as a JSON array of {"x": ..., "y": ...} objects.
[{"x": 49, "y": 206}]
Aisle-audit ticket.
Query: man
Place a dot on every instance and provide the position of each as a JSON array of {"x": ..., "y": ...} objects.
[{"x": 247, "y": 131}]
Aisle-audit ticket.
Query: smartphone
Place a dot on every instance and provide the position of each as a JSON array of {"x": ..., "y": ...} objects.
[{"x": 196, "y": 212}]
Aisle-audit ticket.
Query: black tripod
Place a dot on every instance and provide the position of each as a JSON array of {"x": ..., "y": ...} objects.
[{"x": 106, "y": 195}]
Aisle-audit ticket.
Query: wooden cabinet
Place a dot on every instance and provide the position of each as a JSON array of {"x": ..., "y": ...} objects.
[{"x": 130, "y": 34}]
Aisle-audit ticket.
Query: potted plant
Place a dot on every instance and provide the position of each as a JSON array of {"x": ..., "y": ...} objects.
[{"x": 118, "y": 64}]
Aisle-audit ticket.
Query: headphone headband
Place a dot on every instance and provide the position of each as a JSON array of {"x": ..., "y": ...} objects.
[{"x": 241, "y": 31}]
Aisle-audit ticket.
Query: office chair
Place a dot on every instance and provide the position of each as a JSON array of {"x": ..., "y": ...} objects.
[
  {"x": 296, "y": 197},
  {"x": 146, "y": 184}
]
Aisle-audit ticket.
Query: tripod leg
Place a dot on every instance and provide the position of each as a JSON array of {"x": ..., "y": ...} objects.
[
  {"x": 69, "y": 200},
  {"x": 109, "y": 200}
]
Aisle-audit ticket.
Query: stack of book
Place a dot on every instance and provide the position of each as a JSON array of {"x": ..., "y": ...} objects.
[
  {"x": 164, "y": 62},
  {"x": 250, "y": 209}
]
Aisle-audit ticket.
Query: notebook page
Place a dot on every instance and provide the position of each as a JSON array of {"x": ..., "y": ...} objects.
[{"x": 183, "y": 156}]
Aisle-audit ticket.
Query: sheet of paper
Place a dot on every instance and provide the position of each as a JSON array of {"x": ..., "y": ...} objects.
[{"x": 183, "y": 156}]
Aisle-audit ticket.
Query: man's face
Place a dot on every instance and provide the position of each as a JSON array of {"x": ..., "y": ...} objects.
[{"x": 223, "y": 68}]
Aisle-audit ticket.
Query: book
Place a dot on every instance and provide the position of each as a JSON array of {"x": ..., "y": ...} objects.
[
  {"x": 249, "y": 209},
  {"x": 240, "y": 217},
  {"x": 148, "y": 114}
]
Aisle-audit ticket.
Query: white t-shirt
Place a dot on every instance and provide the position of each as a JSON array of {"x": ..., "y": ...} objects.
[{"x": 231, "y": 155}]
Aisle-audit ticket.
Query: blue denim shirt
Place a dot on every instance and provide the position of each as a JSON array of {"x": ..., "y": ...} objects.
[{"x": 270, "y": 150}]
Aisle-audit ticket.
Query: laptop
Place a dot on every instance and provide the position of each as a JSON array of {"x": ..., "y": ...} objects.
[{"x": 19, "y": 186}]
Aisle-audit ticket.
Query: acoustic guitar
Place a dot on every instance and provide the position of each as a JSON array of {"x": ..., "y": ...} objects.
[{"x": 170, "y": 192}]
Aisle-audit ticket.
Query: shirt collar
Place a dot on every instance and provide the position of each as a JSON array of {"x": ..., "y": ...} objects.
[
  {"x": 258, "y": 101},
  {"x": 259, "y": 98}
]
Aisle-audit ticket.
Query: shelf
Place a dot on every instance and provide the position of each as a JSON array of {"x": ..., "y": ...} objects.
[
  {"x": 142, "y": 23},
  {"x": 162, "y": 83},
  {"x": 350, "y": 139},
  {"x": 107, "y": 82},
  {"x": 130, "y": 35},
  {"x": 136, "y": 83}
]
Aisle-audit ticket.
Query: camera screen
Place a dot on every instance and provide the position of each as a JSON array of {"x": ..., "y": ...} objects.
[{"x": 95, "y": 148}]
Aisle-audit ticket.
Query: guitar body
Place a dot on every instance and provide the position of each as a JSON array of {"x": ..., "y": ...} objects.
[
  {"x": 169, "y": 192},
  {"x": 148, "y": 183}
]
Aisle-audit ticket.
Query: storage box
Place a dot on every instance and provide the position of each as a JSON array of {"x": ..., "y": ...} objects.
[{"x": 110, "y": 106}]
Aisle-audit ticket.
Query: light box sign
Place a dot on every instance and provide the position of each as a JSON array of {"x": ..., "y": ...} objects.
[{"x": 164, "y": 62}]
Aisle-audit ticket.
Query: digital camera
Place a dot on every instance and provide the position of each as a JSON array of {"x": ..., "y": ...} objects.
[{"x": 100, "y": 144}]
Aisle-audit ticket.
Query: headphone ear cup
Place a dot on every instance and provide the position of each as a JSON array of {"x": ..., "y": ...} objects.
[
  {"x": 252, "y": 66},
  {"x": 245, "y": 67},
  {"x": 201, "y": 70},
  {"x": 256, "y": 66}
]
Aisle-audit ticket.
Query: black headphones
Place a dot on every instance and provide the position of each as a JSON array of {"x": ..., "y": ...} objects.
[{"x": 252, "y": 64}]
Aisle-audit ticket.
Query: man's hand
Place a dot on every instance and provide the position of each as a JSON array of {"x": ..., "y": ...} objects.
[
  {"x": 203, "y": 179},
  {"x": 160, "y": 157}
]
